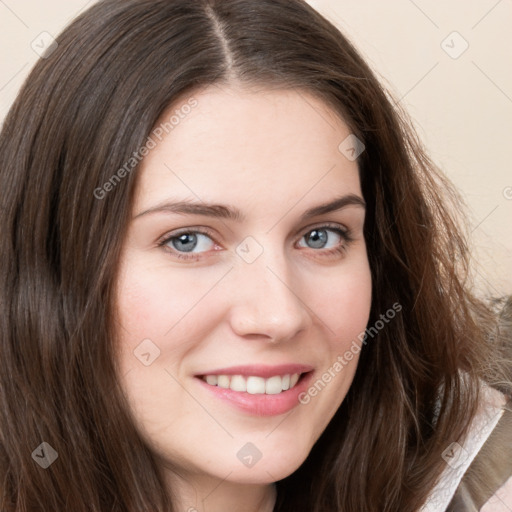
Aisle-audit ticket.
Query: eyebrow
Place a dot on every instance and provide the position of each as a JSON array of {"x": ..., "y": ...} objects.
[{"x": 222, "y": 211}]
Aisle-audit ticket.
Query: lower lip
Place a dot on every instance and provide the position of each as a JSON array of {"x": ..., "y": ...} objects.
[{"x": 262, "y": 404}]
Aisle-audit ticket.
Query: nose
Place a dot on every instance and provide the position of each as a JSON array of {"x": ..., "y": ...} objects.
[{"x": 265, "y": 304}]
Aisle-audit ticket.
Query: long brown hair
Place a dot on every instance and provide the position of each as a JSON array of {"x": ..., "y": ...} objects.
[{"x": 83, "y": 112}]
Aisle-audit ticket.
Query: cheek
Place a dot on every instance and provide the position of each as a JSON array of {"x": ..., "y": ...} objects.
[
  {"x": 163, "y": 315},
  {"x": 157, "y": 302},
  {"x": 344, "y": 303},
  {"x": 161, "y": 318},
  {"x": 343, "y": 307}
]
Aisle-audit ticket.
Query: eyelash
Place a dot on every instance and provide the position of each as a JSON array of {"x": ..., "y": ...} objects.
[{"x": 344, "y": 233}]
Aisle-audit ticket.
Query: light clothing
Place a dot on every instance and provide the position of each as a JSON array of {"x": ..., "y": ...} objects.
[{"x": 451, "y": 492}]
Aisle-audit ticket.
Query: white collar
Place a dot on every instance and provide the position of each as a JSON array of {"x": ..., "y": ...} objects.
[{"x": 459, "y": 457}]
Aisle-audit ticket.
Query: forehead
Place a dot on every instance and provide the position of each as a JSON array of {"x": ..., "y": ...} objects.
[{"x": 252, "y": 148}]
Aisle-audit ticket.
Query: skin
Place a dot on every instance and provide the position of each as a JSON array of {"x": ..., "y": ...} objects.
[{"x": 272, "y": 154}]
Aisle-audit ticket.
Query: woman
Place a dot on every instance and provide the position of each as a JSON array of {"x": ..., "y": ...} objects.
[{"x": 229, "y": 278}]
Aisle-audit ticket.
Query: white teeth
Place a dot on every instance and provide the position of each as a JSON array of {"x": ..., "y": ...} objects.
[
  {"x": 273, "y": 386},
  {"x": 254, "y": 385},
  {"x": 223, "y": 381},
  {"x": 211, "y": 379},
  {"x": 238, "y": 383}
]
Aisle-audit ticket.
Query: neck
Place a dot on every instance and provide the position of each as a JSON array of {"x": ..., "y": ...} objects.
[{"x": 201, "y": 493}]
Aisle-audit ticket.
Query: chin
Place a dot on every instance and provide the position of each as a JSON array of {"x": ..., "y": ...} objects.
[{"x": 276, "y": 466}]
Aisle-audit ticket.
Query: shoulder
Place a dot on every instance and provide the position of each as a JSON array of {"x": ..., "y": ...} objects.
[
  {"x": 501, "y": 500},
  {"x": 488, "y": 480},
  {"x": 479, "y": 469}
]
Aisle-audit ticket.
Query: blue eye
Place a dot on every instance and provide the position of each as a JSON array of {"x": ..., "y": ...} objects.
[
  {"x": 190, "y": 244},
  {"x": 189, "y": 241},
  {"x": 319, "y": 238}
]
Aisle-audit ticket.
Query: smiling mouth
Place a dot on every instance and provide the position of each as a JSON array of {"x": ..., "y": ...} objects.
[{"x": 254, "y": 385}]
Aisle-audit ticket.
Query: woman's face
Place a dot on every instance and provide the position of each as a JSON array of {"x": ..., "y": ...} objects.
[{"x": 244, "y": 268}]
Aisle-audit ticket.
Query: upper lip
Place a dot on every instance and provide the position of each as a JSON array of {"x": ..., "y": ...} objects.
[{"x": 264, "y": 371}]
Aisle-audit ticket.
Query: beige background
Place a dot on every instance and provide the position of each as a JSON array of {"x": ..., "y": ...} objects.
[{"x": 461, "y": 101}]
